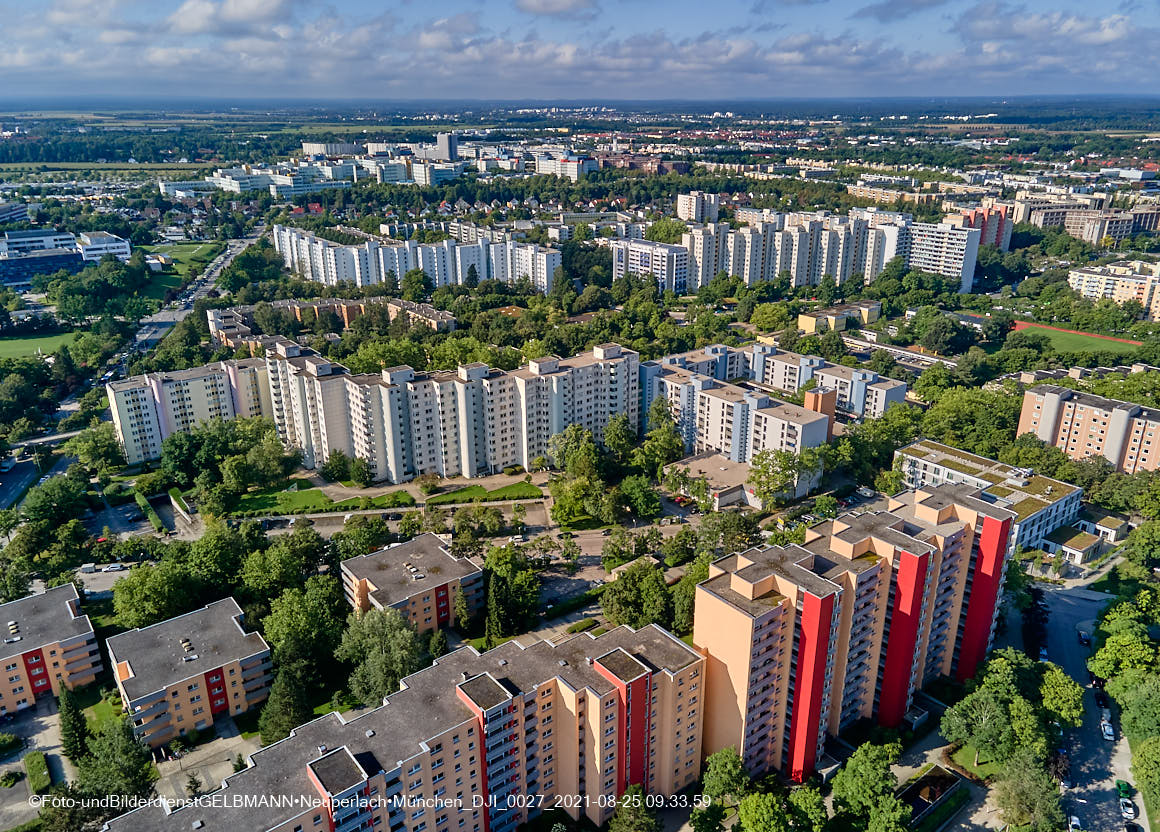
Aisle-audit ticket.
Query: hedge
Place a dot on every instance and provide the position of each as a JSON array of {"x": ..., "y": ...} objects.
[
  {"x": 38, "y": 777},
  {"x": 576, "y": 602},
  {"x": 9, "y": 742},
  {"x": 149, "y": 512},
  {"x": 582, "y": 625},
  {"x": 175, "y": 495}
]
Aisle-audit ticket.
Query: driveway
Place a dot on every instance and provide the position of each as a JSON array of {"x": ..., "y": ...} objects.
[
  {"x": 1095, "y": 762},
  {"x": 211, "y": 762},
  {"x": 40, "y": 729}
]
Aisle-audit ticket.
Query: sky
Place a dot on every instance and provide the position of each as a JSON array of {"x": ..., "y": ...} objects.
[{"x": 576, "y": 49}]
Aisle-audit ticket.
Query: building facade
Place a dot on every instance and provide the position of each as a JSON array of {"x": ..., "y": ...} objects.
[
  {"x": 420, "y": 578},
  {"x": 697, "y": 206},
  {"x": 1083, "y": 425},
  {"x": 576, "y": 722},
  {"x": 668, "y": 264},
  {"x": 179, "y": 675},
  {"x": 801, "y": 641},
  {"x": 48, "y": 644},
  {"x": 1127, "y": 280}
]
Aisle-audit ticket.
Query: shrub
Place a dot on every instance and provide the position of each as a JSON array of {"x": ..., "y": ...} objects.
[
  {"x": 9, "y": 742},
  {"x": 38, "y": 777},
  {"x": 175, "y": 495},
  {"x": 582, "y": 625},
  {"x": 10, "y": 779},
  {"x": 148, "y": 511}
]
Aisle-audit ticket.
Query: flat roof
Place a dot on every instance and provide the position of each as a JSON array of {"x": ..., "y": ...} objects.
[
  {"x": 1069, "y": 537},
  {"x": 337, "y": 770},
  {"x": 181, "y": 647},
  {"x": 717, "y": 469},
  {"x": 428, "y": 705},
  {"x": 398, "y": 572},
  {"x": 44, "y": 618}
]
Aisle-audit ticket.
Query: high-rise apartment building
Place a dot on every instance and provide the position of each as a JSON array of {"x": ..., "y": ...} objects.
[
  {"x": 668, "y": 264},
  {"x": 179, "y": 675},
  {"x": 471, "y": 422},
  {"x": 446, "y": 147},
  {"x": 48, "y": 644},
  {"x": 801, "y": 641},
  {"x": 699, "y": 207},
  {"x": 576, "y": 723},
  {"x": 706, "y": 248},
  {"x": 1084, "y": 425},
  {"x": 994, "y": 224},
  {"x": 148, "y": 408}
]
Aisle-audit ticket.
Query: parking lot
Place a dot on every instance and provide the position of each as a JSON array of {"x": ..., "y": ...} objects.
[{"x": 40, "y": 729}]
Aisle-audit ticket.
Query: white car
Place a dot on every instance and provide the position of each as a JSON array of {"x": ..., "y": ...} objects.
[
  {"x": 1108, "y": 731},
  {"x": 1127, "y": 808},
  {"x": 1073, "y": 823},
  {"x": 113, "y": 567}
]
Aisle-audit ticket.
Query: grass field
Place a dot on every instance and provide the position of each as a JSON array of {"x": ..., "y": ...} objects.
[
  {"x": 18, "y": 347},
  {"x": 965, "y": 757},
  {"x": 309, "y": 500},
  {"x": 100, "y": 713},
  {"x": 1078, "y": 342},
  {"x": 515, "y": 491},
  {"x": 185, "y": 256}
]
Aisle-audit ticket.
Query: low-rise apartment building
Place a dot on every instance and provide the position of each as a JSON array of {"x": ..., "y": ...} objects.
[
  {"x": 150, "y": 407},
  {"x": 48, "y": 643},
  {"x": 861, "y": 393},
  {"x": 835, "y": 318},
  {"x": 1083, "y": 425},
  {"x": 1121, "y": 282},
  {"x": 1040, "y": 504},
  {"x": 233, "y": 326},
  {"x": 420, "y": 578},
  {"x": 178, "y": 675},
  {"x": 801, "y": 641},
  {"x": 466, "y": 742}
]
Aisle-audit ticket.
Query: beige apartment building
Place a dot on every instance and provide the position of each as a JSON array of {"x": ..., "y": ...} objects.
[
  {"x": 801, "y": 641},
  {"x": 470, "y": 743},
  {"x": 178, "y": 675},
  {"x": 48, "y": 642},
  {"x": 420, "y": 578},
  {"x": 1121, "y": 282},
  {"x": 835, "y": 318},
  {"x": 148, "y": 408},
  {"x": 473, "y": 421},
  {"x": 1084, "y": 425}
]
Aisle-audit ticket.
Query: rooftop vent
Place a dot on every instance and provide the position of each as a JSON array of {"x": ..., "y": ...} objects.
[
  {"x": 190, "y": 658},
  {"x": 503, "y": 662},
  {"x": 370, "y": 733},
  {"x": 322, "y": 749},
  {"x": 563, "y": 662},
  {"x": 197, "y": 824}
]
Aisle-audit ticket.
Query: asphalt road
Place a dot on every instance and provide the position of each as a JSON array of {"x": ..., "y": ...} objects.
[
  {"x": 24, "y": 474},
  {"x": 1096, "y": 763}
]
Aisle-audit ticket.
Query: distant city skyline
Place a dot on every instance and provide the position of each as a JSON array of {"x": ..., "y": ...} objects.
[{"x": 577, "y": 49}]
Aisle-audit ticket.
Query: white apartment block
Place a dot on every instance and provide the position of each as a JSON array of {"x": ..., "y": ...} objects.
[
  {"x": 1121, "y": 282},
  {"x": 471, "y": 422},
  {"x": 698, "y": 207},
  {"x": 706, "y": 247},
  {"x": 569, "y": 167},
  {"x": 95, "y": 245},
  {"x": 435, "y": 173},
  {"x": 669, "y": 264},
  {"x": 148, "y": 408},
  {"x": 812, "y": 246},
  {"x": 446, "y": 263}
]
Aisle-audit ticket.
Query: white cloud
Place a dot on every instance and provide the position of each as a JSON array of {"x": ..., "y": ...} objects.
[{"x": 558, "y": 8}]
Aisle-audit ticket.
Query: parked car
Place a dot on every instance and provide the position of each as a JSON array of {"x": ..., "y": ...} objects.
[
  {"x": 1073, "y": 823},
  {"x": 113, "y": 567},
  {"x": 1127, "y": 808},
  {"x": 1042, "y": 654},
  {"x": 1108, "y": 731},
  {"x": 1084, "y": 639},
  {"x": 1123, "y": 789}
]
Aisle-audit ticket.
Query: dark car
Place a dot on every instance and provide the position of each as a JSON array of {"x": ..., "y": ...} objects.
[
  {"x": 1101, "y": 699},
  {"x": 1085, "y": 639}
]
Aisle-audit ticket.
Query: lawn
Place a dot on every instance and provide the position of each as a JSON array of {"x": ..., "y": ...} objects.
[
  {"x": 307, "y": 500},
  {"x": 247, "y": 722},
  {"x": 18, "y": 347},
  {"x": 1078, "y": 342},
  {"x": 965, "y": 759},
  {"x": 184, "y": 256},
  {"x": 100, "y": 713},
  {"x": 515, "y": 491}
]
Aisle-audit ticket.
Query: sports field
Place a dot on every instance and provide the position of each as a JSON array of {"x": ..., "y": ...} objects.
[
  {"x": 19, "y": 347},
  {"x": 1069, "y": 341}
]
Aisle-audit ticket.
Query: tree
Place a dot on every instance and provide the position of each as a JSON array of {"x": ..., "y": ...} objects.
[
  {"x": 337, "y": 467},
  {"x": 1125, "y": 650},
  {"x": 1146, "y": 766},
  {"x": 118, "y": 763},
  {"x": 638, "y": 597},
  {"x": 438, "y": 646},
  {"x": 620, "y": 437},
  {"x": 286, "y": 707},
  {"x": 193, "y": 785},
  {"x": 416, "y": 285},
  {"x": 97, "y": 447},
  {"x": 1027, "y": 797},
  {"x": 662, "y": 444},
  {"x": 361, "y": 473},
  {"x": 1140, "y": 717},
  {"x": 1062, "y": 697},
  {"x": 865, "y": 785},
  {"x": 641, "y": 496},
  {"x": 74, "y": 728},
  {"x": 807, "y": 809},
  {"x": 981, "y": 720},
  {"x": 725, "y": 775},
  {"x": 710, "y": 818},
  {"x": 633, "y": 813},
  {"x": 152, "y": 593},
  {"x": 305, "y": 625},
  {"x": 666, "y": 230},
  {"x": 383, "y": 648},
  {"x": 60, "y": 498},
  {"x": 773, "y": 474},
  {"x": 761, "y": 812}
]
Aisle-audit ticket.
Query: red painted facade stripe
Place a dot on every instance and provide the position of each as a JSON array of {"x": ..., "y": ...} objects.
[
  {"x": 813, "y": 643},
  {"x": 442, "y": 606},
  {"x": 481, "y": 744},
  {"x": 902, "y": 644},
  {"x": 220, "y": 684},
  {"x": 640, "y": 694},
  {"x": 41, "y": 683},
  {"x": 984, "y": 593}
]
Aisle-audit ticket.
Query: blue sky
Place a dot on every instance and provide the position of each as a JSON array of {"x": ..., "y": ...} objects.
[{"x": 577, "y": 49}]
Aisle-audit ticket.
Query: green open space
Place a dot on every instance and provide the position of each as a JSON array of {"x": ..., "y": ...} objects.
[
  {"x": 306, "y": 499},
  {"x": 1079, "y": 342},
  {"x": 184, "y": 256},
  {"x": 515, "y": 491},
  {"x": 47, "y": 344},
  {"x": 964, "y": 757}
]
